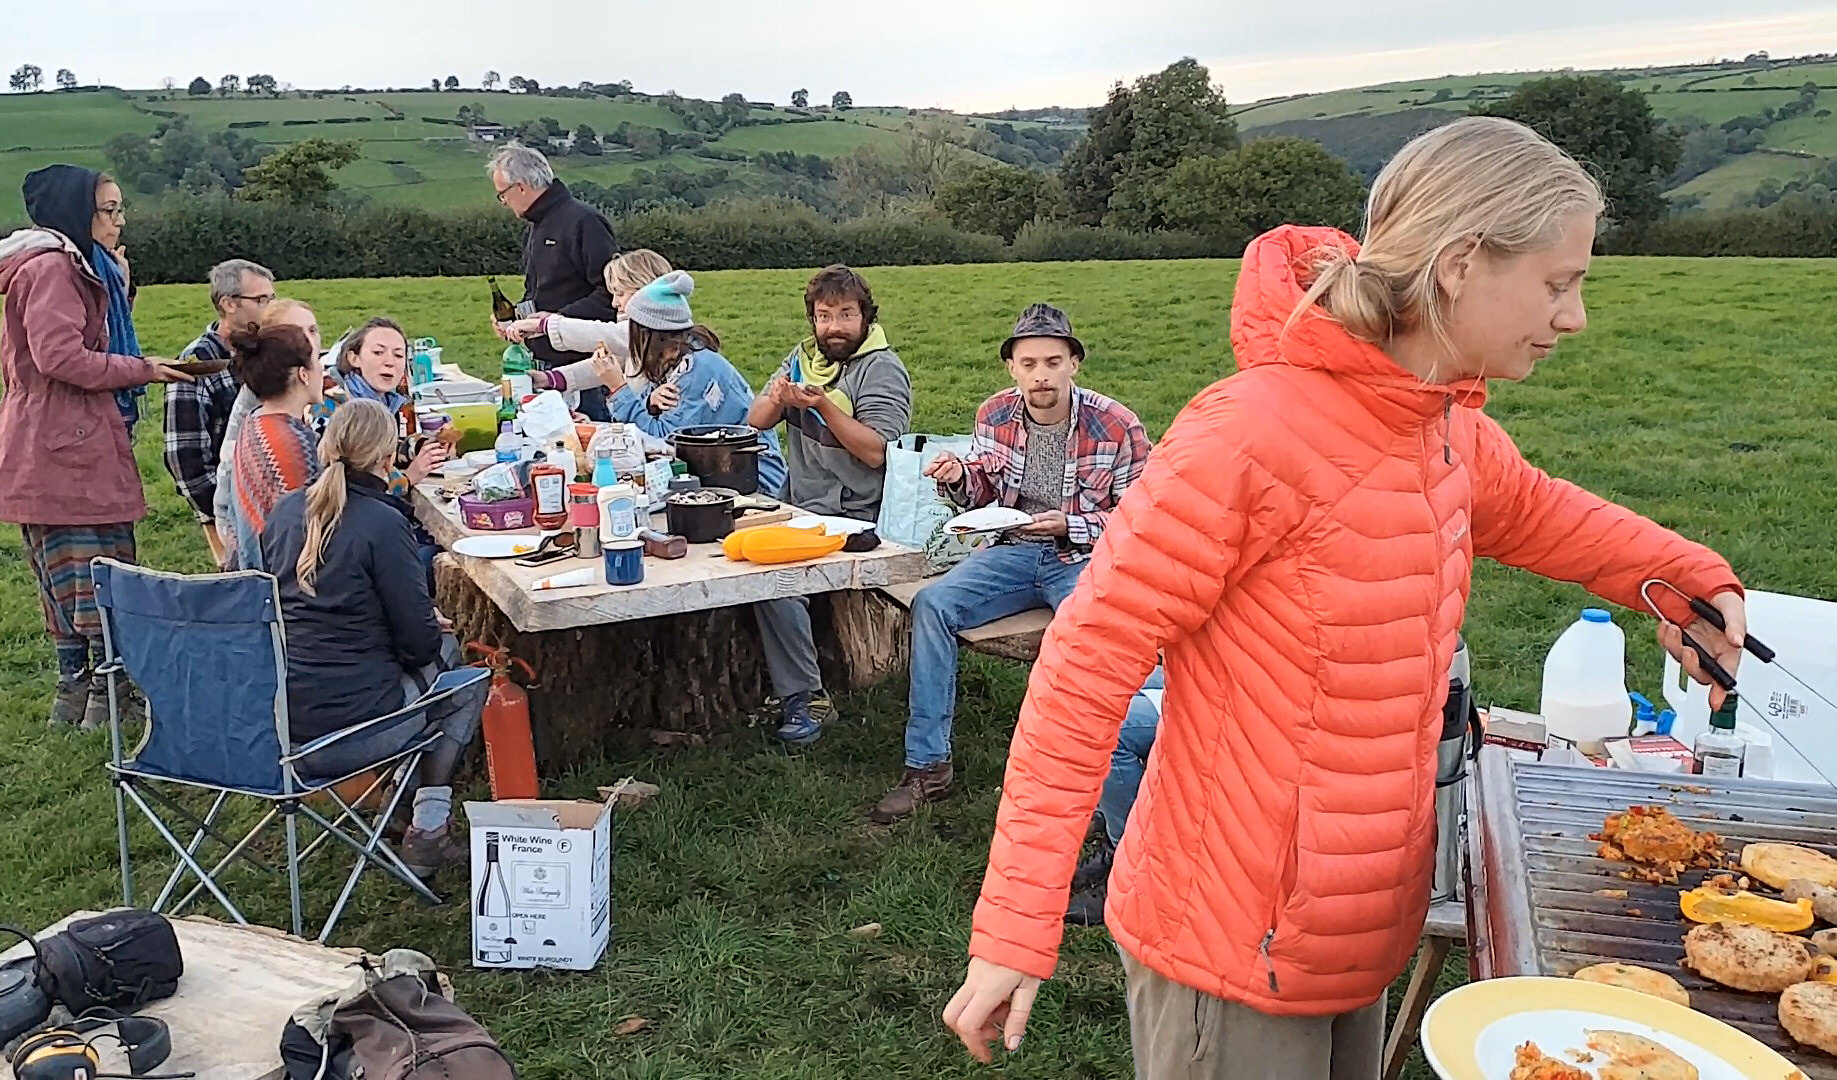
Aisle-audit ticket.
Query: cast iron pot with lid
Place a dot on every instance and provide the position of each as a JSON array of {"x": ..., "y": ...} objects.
[{"x": 721, "y": 455}]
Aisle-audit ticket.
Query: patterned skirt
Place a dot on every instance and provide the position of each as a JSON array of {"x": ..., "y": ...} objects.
[{"x": 59, "y": 556}]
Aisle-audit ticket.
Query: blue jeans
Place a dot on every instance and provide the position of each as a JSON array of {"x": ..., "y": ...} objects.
[
  {"x": 993, "y": 583},
  {"x": 1130, "y": 759}
]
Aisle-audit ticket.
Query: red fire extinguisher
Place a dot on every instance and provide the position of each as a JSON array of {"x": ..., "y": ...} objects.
[{"x": 510, "y": 747}]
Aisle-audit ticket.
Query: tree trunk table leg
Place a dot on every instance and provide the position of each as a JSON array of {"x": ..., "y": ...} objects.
[
  {"x": 871, "y": 637},
  {"x": 696, "y": 673},
  {"x": 1402, "y": 1039}
]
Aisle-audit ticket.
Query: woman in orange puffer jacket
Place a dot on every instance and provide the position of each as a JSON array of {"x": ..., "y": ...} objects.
[{"x": 1300, "y": 548}]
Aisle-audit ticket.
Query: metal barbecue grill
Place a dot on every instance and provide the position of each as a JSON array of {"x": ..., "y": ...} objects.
[{"x": 1538, "y": 898}]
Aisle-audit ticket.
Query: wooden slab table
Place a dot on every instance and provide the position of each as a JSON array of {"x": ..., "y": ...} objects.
[
  {"x": 678, "y": 652},
  {"x": 702, "y": 580}
]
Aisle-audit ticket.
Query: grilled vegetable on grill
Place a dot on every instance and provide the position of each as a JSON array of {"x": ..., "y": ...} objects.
[
  {"x": 1823, "y": 898},
  {"x": 1716, "y": 906}
]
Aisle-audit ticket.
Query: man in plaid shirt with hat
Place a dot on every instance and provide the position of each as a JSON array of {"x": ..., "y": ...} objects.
[{"x": 1048, "y": 448}]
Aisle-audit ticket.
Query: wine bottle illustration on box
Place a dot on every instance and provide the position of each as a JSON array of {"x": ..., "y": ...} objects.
[{"x": 493, "y": 907}]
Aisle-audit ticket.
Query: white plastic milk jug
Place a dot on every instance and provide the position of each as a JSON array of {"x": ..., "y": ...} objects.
[{"x": 1585, "y": 688}]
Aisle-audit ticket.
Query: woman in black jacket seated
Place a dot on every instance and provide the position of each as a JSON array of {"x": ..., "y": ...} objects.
[{"x": 363, "y": 638}]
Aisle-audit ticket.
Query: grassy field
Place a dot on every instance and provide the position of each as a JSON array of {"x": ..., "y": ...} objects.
[{"x": 735, "y": 890}]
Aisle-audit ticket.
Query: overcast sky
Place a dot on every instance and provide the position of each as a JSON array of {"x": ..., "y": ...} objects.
[{"x": 961, "y": 54}]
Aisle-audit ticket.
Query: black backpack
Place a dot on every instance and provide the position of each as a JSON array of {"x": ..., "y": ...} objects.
[{"x": 121, "y": 960}]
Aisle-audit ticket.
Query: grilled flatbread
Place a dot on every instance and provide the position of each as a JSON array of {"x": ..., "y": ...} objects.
[
  {"x": 1634, "y": 1057},
  {"x": 1747, "y": 957},
  {"x": 1808, "y": 1012},
  {"x": 1779, "y": 865},
  {"x": 1631, "y": 977}
]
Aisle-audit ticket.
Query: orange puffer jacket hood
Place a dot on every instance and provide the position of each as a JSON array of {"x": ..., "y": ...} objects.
[{"x": 1300, "y": 548}]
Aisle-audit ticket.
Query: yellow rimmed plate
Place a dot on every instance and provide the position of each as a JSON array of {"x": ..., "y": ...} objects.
[{"x": 1474, "y": 1032}]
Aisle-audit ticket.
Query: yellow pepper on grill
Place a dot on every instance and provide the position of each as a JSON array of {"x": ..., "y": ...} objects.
[
  {"x": 1716, "y": 906},
  {"x": 1824, "y": 969}
]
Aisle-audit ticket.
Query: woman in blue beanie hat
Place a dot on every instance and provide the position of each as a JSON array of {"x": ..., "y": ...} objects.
[
  {"x": 72, "y": 369},
  {"x": 682, "y": 380}
]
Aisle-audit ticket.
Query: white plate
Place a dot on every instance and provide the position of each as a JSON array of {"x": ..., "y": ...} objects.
[
  {"x": 834, "y": 526},
  {"x": 497, "y": 547},
  {"x": 1473, "y": 1033},
  {"x": 988, "y": 519}
]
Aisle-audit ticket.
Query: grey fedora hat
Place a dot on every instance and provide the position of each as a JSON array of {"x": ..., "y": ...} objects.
[{"x": 1042, "y": 320}]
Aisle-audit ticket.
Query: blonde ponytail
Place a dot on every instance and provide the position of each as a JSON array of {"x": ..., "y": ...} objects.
[
  {"x": 1482, "y": 181},
  {"x": 361, "y": 436}
]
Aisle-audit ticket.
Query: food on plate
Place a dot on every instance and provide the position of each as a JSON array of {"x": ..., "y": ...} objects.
[
  {"x": 1632, "y": 977},
  {"x": 1808, "y": 1012},
  {"x": 1657, "y": 843},
  {"x": 1823, "y": 897},
  {"x": 1747, "y": 957},
  {"x": 1713, "y": 905},
  {"x": 1779, "y": 865},
  {"x": 1635, "y": 1057},
  {"x": 1533, "y": 1064},
  {"x": 1825, "y": 941}
]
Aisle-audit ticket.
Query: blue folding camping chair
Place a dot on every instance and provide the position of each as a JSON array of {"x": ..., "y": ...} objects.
[{"x": 209, "y": 653}]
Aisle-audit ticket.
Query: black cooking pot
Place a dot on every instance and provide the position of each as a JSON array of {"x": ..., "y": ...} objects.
[
  {"x": 721, "y": 455},
  {"x": 700, "y": 517}
]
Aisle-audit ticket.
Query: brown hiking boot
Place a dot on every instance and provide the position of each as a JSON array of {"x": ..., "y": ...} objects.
[
  {"x": 425, "y": 851},
  {"x": 920, "y": 786},
  {"x": 67, "y": 707},
  {"x": 127, "y": 698}
]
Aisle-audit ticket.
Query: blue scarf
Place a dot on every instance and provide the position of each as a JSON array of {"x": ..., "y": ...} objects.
[
  {"x": 122, "y": 341},
  {"x": 359, "y": 387}
]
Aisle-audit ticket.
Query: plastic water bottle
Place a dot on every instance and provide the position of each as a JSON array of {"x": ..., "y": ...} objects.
[
  {"x": 1585, "y": 691},
  {"x": 509, "y": 444}
]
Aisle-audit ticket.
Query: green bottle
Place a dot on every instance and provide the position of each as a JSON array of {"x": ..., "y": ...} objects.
[{"x": 1719, "y": 751}]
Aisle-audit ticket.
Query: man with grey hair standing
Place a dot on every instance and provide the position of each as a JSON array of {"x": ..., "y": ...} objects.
[
  {"x": 196, "y": 412},
  {"x": 564, "y": 256}
]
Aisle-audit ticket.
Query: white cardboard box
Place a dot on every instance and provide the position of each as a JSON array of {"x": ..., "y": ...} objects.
[{"x": 541, "y": 883}]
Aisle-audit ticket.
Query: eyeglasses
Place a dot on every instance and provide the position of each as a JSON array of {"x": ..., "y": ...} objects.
[
  {"x": 262, "y": 300},
  {"x": 118, "y": 213},
  {"x": 507, "y": 189}
]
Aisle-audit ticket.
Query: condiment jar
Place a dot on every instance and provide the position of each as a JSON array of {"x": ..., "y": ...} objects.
[{"x": 550, "y": 483}]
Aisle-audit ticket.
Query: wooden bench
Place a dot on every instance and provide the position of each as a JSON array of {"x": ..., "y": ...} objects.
[{"x": 1016, "y": 637}]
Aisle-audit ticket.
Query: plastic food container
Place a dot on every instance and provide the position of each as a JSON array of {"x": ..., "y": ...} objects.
[{"x": 497, "y": 516}]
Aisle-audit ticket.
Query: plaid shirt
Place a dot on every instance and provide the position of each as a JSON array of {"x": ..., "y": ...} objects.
[
  {"x": 1105, "y": 453},
  {"x": 196, "y": 413}
]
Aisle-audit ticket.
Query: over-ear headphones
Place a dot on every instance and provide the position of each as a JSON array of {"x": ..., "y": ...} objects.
[{"x": 69, "y": 1053}]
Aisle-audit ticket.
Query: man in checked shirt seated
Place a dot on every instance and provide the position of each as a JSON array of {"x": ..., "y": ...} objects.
[{"x": 1048, "y": 448}]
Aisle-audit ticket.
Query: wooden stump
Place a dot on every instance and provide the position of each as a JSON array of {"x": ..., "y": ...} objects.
[{"x": 699, "y": 673}]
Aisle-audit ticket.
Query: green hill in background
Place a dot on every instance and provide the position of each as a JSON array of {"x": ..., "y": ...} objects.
[
  {"x": 414, "y": 150},
  {"x": 1367, "y": 125}
]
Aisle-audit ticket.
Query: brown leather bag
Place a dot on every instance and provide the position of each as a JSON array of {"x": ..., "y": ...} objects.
[{"x": 401, "y": 1030}]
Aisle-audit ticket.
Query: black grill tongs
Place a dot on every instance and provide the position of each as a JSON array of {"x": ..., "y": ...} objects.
[{"x": 1751, "y": 644}]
